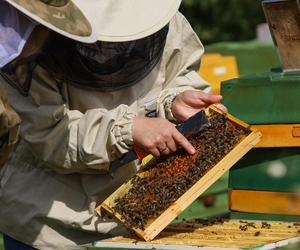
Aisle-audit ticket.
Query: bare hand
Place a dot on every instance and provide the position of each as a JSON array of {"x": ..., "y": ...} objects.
[
  {"x": 158, "y": 136},
  {"x": 189, "y": 102}
]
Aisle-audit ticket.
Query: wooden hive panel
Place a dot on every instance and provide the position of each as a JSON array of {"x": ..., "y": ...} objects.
[
  {"x": 279, "y": 135},
  {"x": 160, "y": 191},
  {"x": 268, "y": 169},
  {"x": 284, "y": 21},
  {"x": 264, "y": 202},
  {"x": 217, "y": 234}
]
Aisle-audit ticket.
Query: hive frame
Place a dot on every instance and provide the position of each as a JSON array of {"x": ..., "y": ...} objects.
[{"x": 154, "y": 227}]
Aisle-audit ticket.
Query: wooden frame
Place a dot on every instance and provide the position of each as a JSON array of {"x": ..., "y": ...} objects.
[
  {"x": 190, "y": 235},
  {"x": 153, "y": 228},
  {"x": 279, "y": 135},
  {"x": 264, "y": 202},
  {"x": 284, "y": 19}
]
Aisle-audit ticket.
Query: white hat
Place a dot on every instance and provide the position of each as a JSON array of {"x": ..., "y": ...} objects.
[{"x": 103, "y": 20}]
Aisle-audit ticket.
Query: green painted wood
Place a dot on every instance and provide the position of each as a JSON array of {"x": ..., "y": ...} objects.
[
  {"x": 269, "y": 169},
  {"x": 267, "y": 217},
  {"x": 265, "y": 98},
  {"x": 251, "y": 56}
]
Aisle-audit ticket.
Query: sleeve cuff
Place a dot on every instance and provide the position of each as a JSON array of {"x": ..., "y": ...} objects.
[
  {"x": 168, "y": 107},
  {"x": 123, "y": 130},
  {"x": 165, "y": 102}
]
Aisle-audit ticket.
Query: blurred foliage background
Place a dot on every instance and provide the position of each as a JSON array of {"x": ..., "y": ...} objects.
[{"x": 223, "y": 20}]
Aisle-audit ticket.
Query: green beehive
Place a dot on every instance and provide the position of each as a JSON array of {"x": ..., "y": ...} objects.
[
  {"x": 263, "y": 217},
  {"x": 274, "y": 171},
  {"x": 265, "y": 184},
  {"x": 251, "y": 56},
  {"x": 265, "y": 98},
  {"x": 268, "y": 169}
]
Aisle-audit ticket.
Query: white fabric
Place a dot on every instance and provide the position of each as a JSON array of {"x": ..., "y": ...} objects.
[
  {"x": 58, "y": 173},
  {"x": 15, "y": 29},
  {"x": 110, "y": 21}
]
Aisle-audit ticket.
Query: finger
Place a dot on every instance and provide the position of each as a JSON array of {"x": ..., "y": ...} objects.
[
  {"x": 155, "y": 152},
  {"x": 209, "y": 99},
  {"x": 161, "y": 146},
  {"x": 164, "y": 151},
  {"x": 171, "y": 145},
  {"x": 222, "y": 107},
  {"x": 183, "y": 142}
]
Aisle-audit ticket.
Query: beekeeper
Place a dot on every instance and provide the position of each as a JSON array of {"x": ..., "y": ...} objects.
[{"x": 90, "y": 79}]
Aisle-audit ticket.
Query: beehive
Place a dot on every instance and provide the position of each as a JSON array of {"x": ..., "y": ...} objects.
[
  {"x": 264, "y": 98},
  {"x": 216, "y": 68},
  {"x": 279, "y": 135},
  {"x": 264, "y": 202},
  {"x": 283, "y": 17},
  {"x": 148, "y": 202},
  {"x": 215, "y": 234},
  {"x": 251, "y": 56},
  {"x": 266, "y": 181},
  {"x": 268, "y": 169}
]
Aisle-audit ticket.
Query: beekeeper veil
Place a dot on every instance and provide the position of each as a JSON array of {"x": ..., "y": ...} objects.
[
  {"x": 14, "y": 32},
  {"x": 103, "y": 66},
  {"x": 102, "y": 45}
]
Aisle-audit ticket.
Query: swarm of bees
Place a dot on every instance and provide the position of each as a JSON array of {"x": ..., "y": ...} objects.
[{"x": 170, "y": 177}]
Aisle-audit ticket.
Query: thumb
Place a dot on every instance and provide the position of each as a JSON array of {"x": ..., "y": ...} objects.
[{"x": 210, "y": 99}]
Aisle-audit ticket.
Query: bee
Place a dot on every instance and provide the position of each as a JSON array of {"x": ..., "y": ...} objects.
[
  {"x": 265, "y": 225},
  {"x": 257, "y": 233},
  {"x": 171, "y": 176}
]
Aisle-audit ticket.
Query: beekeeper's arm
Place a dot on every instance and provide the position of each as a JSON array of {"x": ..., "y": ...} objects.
[{"x": 179, "y": 98}]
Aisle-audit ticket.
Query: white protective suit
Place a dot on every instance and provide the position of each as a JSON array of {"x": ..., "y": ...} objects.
[{"x": 58, "y": 174}]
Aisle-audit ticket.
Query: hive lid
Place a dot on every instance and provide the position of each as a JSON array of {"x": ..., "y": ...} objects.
[{"x": 283, "y": 17}]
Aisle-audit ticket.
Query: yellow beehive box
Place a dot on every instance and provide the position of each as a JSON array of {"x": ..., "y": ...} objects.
[
  {"x": 216, "y": 68},
  {"x": 264, "y": 202},
  {"x": 279, "y": 135}
]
